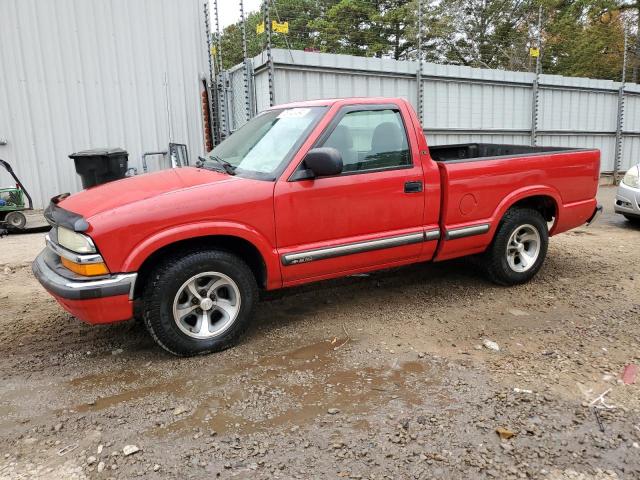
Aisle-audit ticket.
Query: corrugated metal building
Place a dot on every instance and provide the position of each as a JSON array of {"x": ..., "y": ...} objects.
[
  {"x": 461, "y": 104},
  {"x": 80, "y": 74}
]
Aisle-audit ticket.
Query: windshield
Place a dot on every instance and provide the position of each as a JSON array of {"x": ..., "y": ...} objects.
[{"x": 266, "y": 142}]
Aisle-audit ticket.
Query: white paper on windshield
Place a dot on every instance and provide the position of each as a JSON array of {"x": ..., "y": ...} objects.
[{"x": 294, "y": 113}]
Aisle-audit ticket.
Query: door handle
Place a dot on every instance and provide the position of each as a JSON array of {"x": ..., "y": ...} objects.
[{"x": 413, "y": 187}]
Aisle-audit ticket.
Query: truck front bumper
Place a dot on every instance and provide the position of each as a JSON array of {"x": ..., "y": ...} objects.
[{"x": 106, "y": 299}]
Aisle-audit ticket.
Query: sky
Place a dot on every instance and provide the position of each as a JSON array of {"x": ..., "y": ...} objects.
[{"x": 229, "y": 10}]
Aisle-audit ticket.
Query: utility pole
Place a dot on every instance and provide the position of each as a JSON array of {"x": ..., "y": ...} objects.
[
  {"x": 247, "y": 92},
  {"x": 535, "y": 101},
  {"x": 620, "y": 121},
  {"x": 420, "y": 92}
]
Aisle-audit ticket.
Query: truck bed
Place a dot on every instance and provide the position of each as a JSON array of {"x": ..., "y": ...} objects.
[
  {"x": 466, "y": 152},
  {"x": 479, "y": 181}
]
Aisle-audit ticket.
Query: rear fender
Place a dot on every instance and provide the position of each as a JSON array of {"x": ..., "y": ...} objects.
[{"x": 521, "y": 194}]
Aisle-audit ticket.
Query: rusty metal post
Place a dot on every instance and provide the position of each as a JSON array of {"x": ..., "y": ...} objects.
[
  {"x": 535, "y": 99},
  {"x": 617, "y": 163},
  {"x": 269, "y": 29}
]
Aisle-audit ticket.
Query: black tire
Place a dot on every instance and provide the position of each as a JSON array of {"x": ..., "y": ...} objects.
[
  {"x": 495, "y": 261},
  {"x": 15, "y": 220},
  {"x": 165, "y": 282},
  {"x": 633, "y": 220}
]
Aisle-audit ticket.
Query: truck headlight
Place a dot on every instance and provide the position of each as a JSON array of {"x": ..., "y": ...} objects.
[
  {"x": 632, "y": 178},
  {"x": 74, "y": 241}
]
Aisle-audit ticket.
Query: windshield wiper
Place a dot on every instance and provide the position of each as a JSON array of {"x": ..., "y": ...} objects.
[{"x": 230, "y": 169}]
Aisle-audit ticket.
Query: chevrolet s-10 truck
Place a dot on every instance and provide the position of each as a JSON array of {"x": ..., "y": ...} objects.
[{"x": 304, "y": 192}]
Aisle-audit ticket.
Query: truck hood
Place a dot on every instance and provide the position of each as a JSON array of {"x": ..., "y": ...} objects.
[{"x": 116, "y": 194}]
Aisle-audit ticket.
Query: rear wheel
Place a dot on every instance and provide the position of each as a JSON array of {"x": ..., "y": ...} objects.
[
  {"x": 15, "y": 220},
  {"x": 519, "y": 247},
  {"x": 199, "y": 303}
]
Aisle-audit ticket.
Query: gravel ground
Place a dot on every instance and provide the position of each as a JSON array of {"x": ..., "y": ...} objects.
[{"x": 376, "y": 376}]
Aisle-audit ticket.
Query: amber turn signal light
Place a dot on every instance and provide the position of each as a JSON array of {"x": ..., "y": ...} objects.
[{"x": 87, "y": 269}]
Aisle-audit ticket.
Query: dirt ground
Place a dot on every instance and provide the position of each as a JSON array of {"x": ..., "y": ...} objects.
[{"x": 374, "y": 376}]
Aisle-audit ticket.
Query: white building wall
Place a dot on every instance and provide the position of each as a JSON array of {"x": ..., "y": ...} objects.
[
  {"x": 81, "y": 74},
  {"x": 463, "y": 104}
]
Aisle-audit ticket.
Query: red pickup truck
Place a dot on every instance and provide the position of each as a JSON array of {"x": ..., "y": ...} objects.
[{"x": 304, "y": 192}]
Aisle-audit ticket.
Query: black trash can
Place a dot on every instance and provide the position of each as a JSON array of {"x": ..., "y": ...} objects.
[{"x": 101, "y": 165}]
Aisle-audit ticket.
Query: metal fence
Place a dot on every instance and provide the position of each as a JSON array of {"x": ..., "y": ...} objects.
[{"x": 460, "y": 104}]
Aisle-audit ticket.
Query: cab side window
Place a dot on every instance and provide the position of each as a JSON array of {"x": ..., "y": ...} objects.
[{"x": 370, "y": 140}]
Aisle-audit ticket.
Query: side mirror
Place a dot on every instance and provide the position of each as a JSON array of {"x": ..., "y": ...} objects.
[{"x": 321, "y": 162}]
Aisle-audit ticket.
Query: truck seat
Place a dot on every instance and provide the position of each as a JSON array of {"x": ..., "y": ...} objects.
[{"x": 342, "y": 140}]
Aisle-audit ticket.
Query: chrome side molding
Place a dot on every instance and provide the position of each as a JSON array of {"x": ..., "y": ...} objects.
[
  {"x": 359, "y": 247},
  {"x": 380, "y": 244},
  {"x": 462, "y": 232},
  {"x": 430, "y": 235}
]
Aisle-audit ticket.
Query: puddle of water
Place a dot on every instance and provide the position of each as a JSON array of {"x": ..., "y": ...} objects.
[
  {"x": 182, "y": 385},
  {"x": 292, "y": 388},
  {"x": 351, "y": 391}
]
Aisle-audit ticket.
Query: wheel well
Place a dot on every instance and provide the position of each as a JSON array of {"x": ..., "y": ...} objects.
[
  {"x": 542, "y": 203},
  {"x": 236, "y": 245}
]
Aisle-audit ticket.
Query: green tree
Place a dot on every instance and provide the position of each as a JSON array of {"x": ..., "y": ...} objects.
[
  {"x": 579, "y": 37},
  {"x": 488, "y": 33},
  {"x": 300, "y": 14},
  {"x": 231, "y": 40},
  {"x": 583, "y": 38},
  {"x": 375, "y": 28},
  {"x": 633, "y": 7}
]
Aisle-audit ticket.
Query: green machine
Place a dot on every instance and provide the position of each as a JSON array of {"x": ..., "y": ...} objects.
[{"x": 12, "y": 203}]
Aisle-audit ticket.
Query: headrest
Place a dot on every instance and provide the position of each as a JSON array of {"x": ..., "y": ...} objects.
[
  {"x": 387, "y": 137},
  {"x": 340, "y": 139}
]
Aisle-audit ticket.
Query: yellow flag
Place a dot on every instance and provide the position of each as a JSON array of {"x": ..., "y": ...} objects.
[
  {"x": 214, "y": 50},
  {"x": 280, "y": 27},
  {"x": 534, "y": 52},
  {"x": 260, "y": 28}
]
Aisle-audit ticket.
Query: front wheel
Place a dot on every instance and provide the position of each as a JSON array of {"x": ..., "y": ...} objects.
[
  {"x": 199, "y": 302},
  {"x": 519, "y": 247}
]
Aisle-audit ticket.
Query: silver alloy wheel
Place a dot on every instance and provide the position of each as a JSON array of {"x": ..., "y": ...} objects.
[
  {"x": 523, "y": 248},
  {"x": 206, "y": 305}
]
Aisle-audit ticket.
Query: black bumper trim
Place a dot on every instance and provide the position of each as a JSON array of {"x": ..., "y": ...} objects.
[
  {"x": 596, "y": 213},
  {"x": 71, "y": 289}
]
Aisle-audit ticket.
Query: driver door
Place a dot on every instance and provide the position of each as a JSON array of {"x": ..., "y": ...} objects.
[{"x": 370, "y": 216}]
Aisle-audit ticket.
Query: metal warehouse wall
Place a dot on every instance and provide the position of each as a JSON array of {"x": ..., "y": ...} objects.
[
  {"x": 463, "y": 104},
  {"x": 80, "y": 74}
]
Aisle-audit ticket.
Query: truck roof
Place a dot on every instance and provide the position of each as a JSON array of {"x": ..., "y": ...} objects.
[{"x": 327, "y": 102}]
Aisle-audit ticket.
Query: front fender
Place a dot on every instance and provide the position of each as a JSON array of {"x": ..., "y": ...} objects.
[{"x": 161, "y": 239}]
